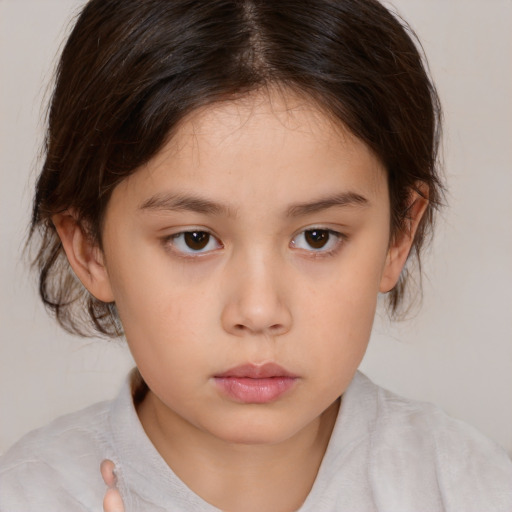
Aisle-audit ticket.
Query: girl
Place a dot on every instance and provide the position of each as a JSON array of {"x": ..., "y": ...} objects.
[{"x": 233, "y": 183}]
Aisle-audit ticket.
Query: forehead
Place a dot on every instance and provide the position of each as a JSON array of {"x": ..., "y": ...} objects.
[{"x": 269, "y": 143}]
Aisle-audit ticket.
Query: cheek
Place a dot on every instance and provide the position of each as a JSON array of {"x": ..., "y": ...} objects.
[
  {"x": 346, "y": 291},
  {"x": 343, "y": 318},
  {"x": 336, "y": 315},
  {"x": 158, "y": 314},
  {"x": 342, "y": 336},
  {"x": 167, "y": 336},
  {"x": 163, "y": 314}
]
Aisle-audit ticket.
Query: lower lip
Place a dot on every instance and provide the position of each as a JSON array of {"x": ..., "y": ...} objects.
[{"x": 255, "y": 391}]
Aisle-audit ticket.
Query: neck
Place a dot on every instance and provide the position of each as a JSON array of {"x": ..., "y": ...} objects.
[{"x": 234, "y": 476}]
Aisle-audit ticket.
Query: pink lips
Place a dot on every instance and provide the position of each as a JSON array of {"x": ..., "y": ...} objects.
[{"x": 253, "y": 384}]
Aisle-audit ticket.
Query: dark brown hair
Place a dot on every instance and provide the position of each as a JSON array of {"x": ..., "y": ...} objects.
[{"x": 132, "y": 69}]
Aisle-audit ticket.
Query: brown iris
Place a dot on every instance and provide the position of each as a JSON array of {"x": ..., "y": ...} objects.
[
  {"x": 317, "y": 238},
  {"x": 196, "y": 240}
]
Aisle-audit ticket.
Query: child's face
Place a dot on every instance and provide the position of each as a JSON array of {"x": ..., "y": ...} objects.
[{"x": 287, "y": 248}]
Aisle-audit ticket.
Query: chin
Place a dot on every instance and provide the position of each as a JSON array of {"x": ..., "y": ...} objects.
[{"x": 256, "y": 429}]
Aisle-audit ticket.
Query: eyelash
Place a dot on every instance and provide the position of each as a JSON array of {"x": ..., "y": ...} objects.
[
  {"x": 171, "y": 244},
  {"x": 321, "y": 252}
]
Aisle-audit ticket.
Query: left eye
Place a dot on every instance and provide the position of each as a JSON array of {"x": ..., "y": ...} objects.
[
  {"x": 191, "y": 242},
  {"x": 317, "y": 240}
]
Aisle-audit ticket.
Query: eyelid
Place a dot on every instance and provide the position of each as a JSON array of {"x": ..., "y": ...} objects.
[
  {"x": 311, "y": 252},
  {"x": 167, "y": 241}
]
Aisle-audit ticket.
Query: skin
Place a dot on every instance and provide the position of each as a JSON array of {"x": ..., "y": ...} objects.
[
  {"x": 268, "y": 171},
  {"x": 112, "y": 502}
]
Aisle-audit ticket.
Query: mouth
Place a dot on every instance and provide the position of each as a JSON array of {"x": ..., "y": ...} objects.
[{"x": 255, "y": 384}]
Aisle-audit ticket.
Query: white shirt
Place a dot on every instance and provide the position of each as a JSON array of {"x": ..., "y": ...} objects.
[{"x": 386, "y": 454}]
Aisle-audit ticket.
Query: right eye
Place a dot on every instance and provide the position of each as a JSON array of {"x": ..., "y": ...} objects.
[{"x": 194, "y": 242}]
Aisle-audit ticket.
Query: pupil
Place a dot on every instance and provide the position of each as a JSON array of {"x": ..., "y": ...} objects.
[
  {"x": 197, "y": 240},
  {"x": 317, "y": 238}
]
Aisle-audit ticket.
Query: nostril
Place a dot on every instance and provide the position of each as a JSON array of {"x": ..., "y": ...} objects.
[
  {"x": 277, "y": 328},
  {"x": 257, "y": 316},
  {"x": 272, "y": 329}
]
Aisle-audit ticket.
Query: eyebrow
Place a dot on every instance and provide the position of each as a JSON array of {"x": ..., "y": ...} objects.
[
  {"x": 342, "y": 199},
  {"x": 180, "y": 202}
]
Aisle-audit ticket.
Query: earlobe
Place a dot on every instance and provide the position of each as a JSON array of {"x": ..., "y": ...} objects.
[
  {"x": 401, "y": 245},
  {"x": 84, "y": 256}
]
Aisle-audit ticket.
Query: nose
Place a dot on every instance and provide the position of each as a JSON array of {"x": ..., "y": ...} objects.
[{"x": 256, "y": 303}]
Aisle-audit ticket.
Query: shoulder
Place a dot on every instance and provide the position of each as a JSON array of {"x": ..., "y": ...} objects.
[
  {"x": 417, "y": 443},
  {"x": 428, "y": 426},
  {"x": 56, "y": 467}
]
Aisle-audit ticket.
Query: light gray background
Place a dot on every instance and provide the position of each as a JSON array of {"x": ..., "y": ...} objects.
[{"x": 457, "y": 352}]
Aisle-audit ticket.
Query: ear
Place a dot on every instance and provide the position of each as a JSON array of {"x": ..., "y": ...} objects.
[
  {"x": 401, "y": 244},
  {"x": 84, "y": 256}
]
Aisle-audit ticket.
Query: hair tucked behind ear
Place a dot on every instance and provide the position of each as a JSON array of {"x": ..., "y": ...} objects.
[{"x": 131, "y": 70}]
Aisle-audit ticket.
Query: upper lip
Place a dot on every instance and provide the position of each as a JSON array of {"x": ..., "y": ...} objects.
[{"x": 254, "y": 371}]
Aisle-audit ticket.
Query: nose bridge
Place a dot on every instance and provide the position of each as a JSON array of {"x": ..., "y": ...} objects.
[{"x": 257, "y": 302}]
